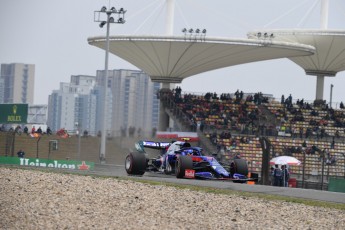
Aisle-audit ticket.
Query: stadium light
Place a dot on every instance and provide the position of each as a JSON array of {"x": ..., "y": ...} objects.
[
  {"x": 107, "y": 21},
  {"x": 195, "y": 34}
]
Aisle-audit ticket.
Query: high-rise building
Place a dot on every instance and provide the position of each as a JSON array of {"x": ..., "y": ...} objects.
[
  {"x": 17, "y": 82},
  {"x": 135, "y": 104},
  {"x": 131, "y": 102},
  {"x": 73, "y": 105},
  {"x": 2, "y": 90}
]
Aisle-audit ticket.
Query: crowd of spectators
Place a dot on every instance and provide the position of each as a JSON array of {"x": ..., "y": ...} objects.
[
  {"x": 238, "y": 113},
  {"x": 221, "y": 112}
]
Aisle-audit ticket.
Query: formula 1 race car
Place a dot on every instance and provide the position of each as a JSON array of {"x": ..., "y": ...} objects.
[{"x": 183, "y": 160}]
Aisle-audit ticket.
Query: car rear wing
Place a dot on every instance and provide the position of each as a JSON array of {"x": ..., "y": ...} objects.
[{"x": 141, "y": 145}]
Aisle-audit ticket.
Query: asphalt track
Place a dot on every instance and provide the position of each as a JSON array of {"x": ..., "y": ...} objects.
[{"x": 119, "y": 171}]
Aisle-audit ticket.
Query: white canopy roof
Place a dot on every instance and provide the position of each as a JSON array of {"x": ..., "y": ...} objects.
[
  {"x": 329, "y": 57},
  {"x": 170, "y": 59}
]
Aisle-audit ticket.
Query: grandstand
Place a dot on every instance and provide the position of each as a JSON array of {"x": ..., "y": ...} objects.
[{"x": 234, "y": 125}]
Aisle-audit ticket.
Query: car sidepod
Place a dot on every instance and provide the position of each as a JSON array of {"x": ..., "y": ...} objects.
[
  {"x": 170, "y": 163},
  {"x": 135, "y": 163}
]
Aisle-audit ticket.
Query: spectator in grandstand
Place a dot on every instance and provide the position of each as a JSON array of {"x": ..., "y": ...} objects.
[
  {"x": 21, "y": 153},
  {"x": 308, "y": 132},
  {"x": 62, "y": 133},
  {"x": 26, "y": 130},
  {"x": 193, "y": 124},
  {"x": 301, "y": 130},
  {"x": 85, "y": 133},
  {"x": 333, "y": 144},
  {"x": 49, "y": 131},
  {"x": 237, "y": 94},
  {"x": 33, "y": 130},
  {"x": 18, "y": 130},
  {"x": 304, "y": 144},
  {"x": 289, "y": 100},
  {"x": 39, "y": 130},
  {"x": 294, "y": 132},
  {"x": 215, "y": 96},
  {"x": 314, "y": 113},
  {"x": 323, "y": 133},
  {"x": 341, "y": 105},
  {"x": 332, "y": 160},
  {"x": 202, "y": 125}
]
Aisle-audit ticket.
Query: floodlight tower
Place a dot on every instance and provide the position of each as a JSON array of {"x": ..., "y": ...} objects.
[{"x": 107, "y": 21}]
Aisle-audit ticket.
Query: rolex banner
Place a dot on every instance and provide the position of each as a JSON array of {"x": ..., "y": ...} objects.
[{"x": 13, "y": 113}]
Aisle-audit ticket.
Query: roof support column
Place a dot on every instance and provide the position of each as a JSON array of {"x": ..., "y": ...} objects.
[
  {"x": 170, "y": 17},
  {"x": 324, "y": 14},
  {"x": 163, "y": 116},
  {"x": 319, "y": 87}
]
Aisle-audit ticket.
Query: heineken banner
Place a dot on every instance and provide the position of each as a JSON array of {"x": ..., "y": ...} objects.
[
  {"x": 45, "y": 163},
  {"x": 13, "y": 113}
]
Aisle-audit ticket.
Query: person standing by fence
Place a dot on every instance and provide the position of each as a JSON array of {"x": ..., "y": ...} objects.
[
  {"x": 285, "y": 176},
  {"x": 277, "y": 174}
]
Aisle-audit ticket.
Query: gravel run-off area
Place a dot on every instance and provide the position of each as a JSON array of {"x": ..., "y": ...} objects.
[{"x": 31, "y": 199}]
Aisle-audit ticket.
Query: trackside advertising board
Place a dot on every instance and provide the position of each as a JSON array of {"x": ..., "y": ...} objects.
[
  {"x": 13, "y": 113},
  {"x": 45, "y": 163}
]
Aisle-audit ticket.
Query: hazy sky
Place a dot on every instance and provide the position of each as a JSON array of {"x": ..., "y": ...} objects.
[{"x": 52, "y": 34}]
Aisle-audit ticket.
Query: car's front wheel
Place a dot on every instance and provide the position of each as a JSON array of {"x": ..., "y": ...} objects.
[
  {"x": 135, "y": 163},
  {"x": 239, "y": 166},
  {"x": 183, "y": 163}
]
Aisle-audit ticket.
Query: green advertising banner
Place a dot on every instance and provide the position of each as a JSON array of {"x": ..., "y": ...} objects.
[
  {"x": 13, "y": 113},
  {"x": 45, "y": 163}
]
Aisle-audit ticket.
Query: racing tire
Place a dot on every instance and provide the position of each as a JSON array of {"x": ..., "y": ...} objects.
[
  {"x": 239, "y": 166},
  {"x": 183, "y": 163},
  {"x": 135, "y": 163}
]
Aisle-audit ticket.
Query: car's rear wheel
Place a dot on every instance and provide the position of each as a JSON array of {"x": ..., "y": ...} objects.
[
  {"x": 239, "y": 166},
  {"x": 135, "y": 163},
  {"x": 183, "y": 163}
]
